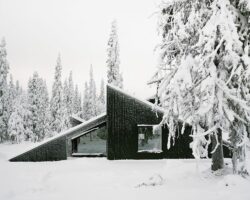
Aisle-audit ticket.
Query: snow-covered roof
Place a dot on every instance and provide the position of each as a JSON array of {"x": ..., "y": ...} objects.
[
  {"x": 65, "y": 133},
  {"x": 77, "y": 118},
  {"x": 145, "y": 102}
]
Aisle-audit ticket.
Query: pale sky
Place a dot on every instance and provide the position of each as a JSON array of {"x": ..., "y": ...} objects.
[{"x": 37, "y": 30}]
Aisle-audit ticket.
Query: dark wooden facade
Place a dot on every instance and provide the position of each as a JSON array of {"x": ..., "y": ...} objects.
[
  {"x": 124, "y": 114},
  {"x": 60, "y": 147}
]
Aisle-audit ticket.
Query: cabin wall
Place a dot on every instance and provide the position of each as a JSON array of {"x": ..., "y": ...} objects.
[
  {"x": 124, "y": 113},
  {"x": 51, "y": 151},
  {"x": 59, "y": 148}
]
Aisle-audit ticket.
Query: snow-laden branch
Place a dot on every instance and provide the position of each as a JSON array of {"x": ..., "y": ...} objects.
[
  {"x": 210, "y": 131},
  {"x": 166, "y": 80},
  {"x": 226, "y": 91}
]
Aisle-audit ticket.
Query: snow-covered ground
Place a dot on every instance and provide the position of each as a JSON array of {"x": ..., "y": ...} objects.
[{"x": 98, "y": 178}]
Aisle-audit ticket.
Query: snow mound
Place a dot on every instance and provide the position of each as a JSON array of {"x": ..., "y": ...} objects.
[{"x": 154, "y": 180}]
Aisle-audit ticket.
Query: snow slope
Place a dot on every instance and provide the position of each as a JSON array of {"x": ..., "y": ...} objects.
[{"x": 98, "y": 178}]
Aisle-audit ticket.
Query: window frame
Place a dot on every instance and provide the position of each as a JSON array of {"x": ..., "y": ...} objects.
[{"x": 152, "y": 151}]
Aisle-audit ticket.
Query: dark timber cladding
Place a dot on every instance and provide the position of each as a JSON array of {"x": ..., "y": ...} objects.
[
  {"x": 124, "y": 114},
  {"x": 50, "y": 151},
  {"x": 60, "y": 146}
]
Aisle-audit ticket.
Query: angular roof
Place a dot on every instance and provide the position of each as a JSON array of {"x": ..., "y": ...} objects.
[
  {"x": 87, "y": 125},
  {"x": 145, "y": 102}
]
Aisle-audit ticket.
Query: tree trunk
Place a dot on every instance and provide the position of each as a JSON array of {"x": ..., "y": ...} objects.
[{"x": 217, "y": 156}]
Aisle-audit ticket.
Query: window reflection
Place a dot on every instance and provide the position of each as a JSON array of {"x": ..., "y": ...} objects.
[{"x": 149, "y": 138}]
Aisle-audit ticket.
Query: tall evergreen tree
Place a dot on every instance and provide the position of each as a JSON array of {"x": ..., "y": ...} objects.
[
  {"x": 204, "y": 73},
  {"x": 39, "y": 107},
  {"x": 71, "y": 93},
  {"x": 33, "y": 100},
  {"x": 16, "y": 123},
  {"x": 57, "y": 105},
  {"x": 86, "y": 110},
  {"x": 44, "y": 111},
  {"x": 4, "y": 67},
  {"x": 11, "y": 95},
  {"x": 77, "y": 102},
  {"x": 113, "y": 61},
  {"x": 68, "y": 93},
  {"x": 92, "y": 94},
  {"x": 101, "y": 99}
]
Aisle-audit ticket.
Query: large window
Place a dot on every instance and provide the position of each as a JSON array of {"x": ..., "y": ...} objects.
[
  {"x": 149, "y": 138},
  {"x": 93, "y": 142}
]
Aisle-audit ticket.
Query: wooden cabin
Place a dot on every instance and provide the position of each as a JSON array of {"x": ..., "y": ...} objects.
[{"x": 128, "y": 130}]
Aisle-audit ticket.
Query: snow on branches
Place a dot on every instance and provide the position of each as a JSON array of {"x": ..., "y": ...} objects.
[
  {"x": 113, "y": 61},
  {"x": 203, "y": 74}
]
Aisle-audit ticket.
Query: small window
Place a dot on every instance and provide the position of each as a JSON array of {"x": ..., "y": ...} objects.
[{"x": 149, "y": 138}]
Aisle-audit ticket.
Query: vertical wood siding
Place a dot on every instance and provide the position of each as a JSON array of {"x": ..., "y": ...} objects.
[{"x": 124, "y": 113}]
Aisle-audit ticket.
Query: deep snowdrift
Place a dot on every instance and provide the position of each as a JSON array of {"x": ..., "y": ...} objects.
[{"x": 98, "y": 178}]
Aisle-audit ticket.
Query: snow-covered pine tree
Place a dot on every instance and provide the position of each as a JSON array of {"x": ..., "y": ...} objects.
[
  {"x": 20, "y": 120},
  {"x": 57, "y": 105},
  {"x": 33, "y": 100},
  {"x": 4, "y": 68},
  {"x": 12, "y": 93},
  {"x": 44, "y": 110},
  {"x": 66, "y": 104},
  {"x": 113, "y": 61},
  {"x": 16, "y": 124},
  {"x": 101, "y": 99},
  {"x": 204, "y": 73},
  {"x": 39, "y": 107},
  {"x": 43, "y": 125},
  {"x": 77, "y": 102},
  {"x": 27, "y": 116},
  {"x": 92, "y": 94},
  {"x": 68, "y": 93},
  {"x": 71, "y": 94},
  {"x": 86, "y": 109}
]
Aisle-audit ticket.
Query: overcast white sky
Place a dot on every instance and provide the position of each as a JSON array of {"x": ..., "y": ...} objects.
[{"x": 37, "y": 30}]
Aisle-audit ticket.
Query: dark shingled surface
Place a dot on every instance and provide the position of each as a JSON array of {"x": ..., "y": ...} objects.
[
  {"x": 124, "y": 113},
  {"x": 59, "y": 148}
]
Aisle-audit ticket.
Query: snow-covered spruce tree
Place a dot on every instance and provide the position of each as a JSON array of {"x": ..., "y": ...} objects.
[
  {"x": 16, "y": 123},
  {"x": 44, "y": 110},
  {"x": 20, "y": 120},
  {"x": 86, "y": 109},
  {"x": 204, "y": 73},
  {"x": 113, "y": 61},
  {"x": 57, "y": 106},
  {"x": 26, "y": 115},
  {"x": 4, "y": 68},
  {"x": 101, "y": 99},
  {"x": 33, "y": 100},
  {"x": 68, "y": 93},
  {"x": 11, "y": 95},
  {"x": 66, "y": 104},
  {"x": 38, "y": 106},
  {"x": 77, "y": 102},
  {"x": 71, "y": 94},
  {"x": 92, "y": 94}
]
